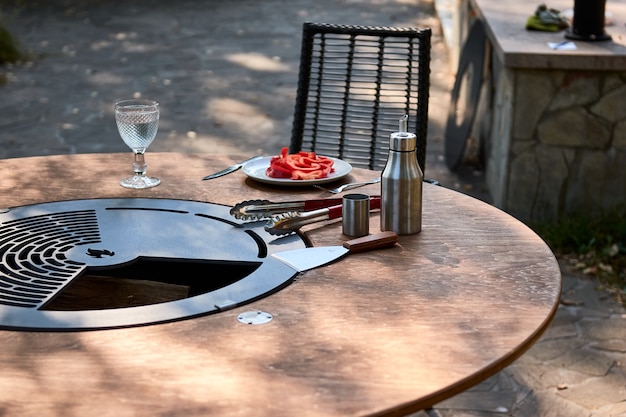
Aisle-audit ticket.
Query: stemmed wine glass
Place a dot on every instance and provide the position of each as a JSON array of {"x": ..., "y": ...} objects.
[{"x": 138, "y": 121}]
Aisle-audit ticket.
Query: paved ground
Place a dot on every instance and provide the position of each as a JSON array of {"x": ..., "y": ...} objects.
[{"x": 225, "y": 74}]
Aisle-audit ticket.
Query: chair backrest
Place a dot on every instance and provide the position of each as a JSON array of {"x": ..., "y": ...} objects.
[{"x": 354, "y": 85}]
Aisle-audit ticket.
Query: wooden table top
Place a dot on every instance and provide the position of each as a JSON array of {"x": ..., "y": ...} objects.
[{"x": 381, "y": 333}]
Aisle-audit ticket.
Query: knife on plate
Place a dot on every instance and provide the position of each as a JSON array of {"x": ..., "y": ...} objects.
[
  {"x": 308, "y": 258},
  {"x": 230, "y": 169}
]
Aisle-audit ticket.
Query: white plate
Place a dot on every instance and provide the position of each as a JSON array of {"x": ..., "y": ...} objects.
[{"x": 256, "y": 170}]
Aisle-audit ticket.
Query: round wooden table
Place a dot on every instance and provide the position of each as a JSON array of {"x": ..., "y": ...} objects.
[{"x": 381, "y": 333}]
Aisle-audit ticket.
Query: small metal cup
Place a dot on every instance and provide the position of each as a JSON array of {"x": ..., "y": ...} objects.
[{"x": 356, "y": 215}]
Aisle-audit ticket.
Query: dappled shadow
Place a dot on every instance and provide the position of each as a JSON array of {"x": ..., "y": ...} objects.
[
  {"x": 189, "y": 58},
  {"x": 225, "y": 74}
]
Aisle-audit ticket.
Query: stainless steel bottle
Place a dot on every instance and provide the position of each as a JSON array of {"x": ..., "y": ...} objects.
[{"x": 401, "y": 185}]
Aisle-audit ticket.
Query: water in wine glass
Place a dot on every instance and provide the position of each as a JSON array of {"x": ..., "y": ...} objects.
[
  {"x": 138, "y": 129},
  {"x": 138, "y": 122}
]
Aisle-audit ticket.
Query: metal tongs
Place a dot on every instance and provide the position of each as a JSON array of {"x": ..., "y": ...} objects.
[
  {"x": 287, "y": 217},
  {"x": 264, "y": 209}
]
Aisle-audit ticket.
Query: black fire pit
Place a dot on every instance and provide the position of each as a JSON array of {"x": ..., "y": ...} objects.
[{"x": 107, "y": 263}]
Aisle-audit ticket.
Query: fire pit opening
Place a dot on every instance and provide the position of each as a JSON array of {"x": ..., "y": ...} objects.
[{"x": 147, "y": 281}]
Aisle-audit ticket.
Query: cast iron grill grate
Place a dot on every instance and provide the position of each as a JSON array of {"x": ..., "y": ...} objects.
[
  {"x": 62, "y": 263},
  {"x": 34, "y": 265}
]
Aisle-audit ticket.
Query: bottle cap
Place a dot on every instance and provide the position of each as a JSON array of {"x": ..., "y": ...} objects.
[{"x": 402, "y": 141}]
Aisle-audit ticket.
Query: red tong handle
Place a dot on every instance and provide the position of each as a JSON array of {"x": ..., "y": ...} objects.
[
  {"x": 331, "y": 202},
  {"x": 337, "y": 211},
  {"x": 317, "y": 204}
]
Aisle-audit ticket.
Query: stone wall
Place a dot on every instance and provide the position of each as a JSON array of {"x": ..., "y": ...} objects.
[
  {"x": 557, "y": 142},
  {"x": 553, "y": 137}
]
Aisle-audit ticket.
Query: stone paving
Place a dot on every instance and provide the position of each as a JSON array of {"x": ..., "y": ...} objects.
[
  {"x": 225, "y": 74},
  {"x": 575, "y": 370}
]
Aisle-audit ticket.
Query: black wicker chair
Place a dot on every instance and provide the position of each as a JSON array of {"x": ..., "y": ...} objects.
[{"x": 355, "y": 83}]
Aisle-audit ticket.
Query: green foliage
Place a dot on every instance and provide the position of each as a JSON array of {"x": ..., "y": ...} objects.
[
  {"x": 595, "y": 245},
  {"x": 9, "y": 49}
]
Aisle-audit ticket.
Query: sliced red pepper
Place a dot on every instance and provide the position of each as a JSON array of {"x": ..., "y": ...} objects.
[{"x": 299, "y": 166}]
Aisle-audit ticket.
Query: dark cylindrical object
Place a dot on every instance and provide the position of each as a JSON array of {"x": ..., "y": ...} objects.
[
  {"x": 588, "y": 24},
  {"x": 356, "y": 215}
]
